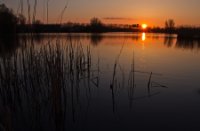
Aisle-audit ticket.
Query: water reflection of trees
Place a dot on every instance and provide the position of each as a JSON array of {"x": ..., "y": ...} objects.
[
  {"x": 185, "y": 43},
  {"x": 169, "y": 40},
  {"x": 8, "y": 45},
  {"x": 96, "y": 38},
  {"x": 188, "y": 43}
]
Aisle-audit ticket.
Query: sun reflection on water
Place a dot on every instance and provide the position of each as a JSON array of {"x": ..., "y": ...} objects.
[
  {"x": 143, "y": 36},
  {"x": 143, "y": 40}
]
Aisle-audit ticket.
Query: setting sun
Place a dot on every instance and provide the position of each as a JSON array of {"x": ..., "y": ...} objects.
[{"x": 144, "y": 26}]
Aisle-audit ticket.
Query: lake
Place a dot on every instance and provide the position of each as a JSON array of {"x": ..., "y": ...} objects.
[{"x": 109, "y": 81}]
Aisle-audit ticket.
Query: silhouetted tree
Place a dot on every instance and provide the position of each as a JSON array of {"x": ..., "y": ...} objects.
[
  {"x": 96, "y": 25},
  {"x": 95, "y": 22},
  {"x": 8, "y": 21},
  {"x": 8, "y": 24},
  {"x": 170, "y": 26}
]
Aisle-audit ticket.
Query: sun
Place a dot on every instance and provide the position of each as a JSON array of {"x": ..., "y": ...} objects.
[{"x": 144, "y": 26}]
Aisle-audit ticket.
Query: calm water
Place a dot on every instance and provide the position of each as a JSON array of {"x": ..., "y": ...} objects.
[{"x": 136, "y": 82}]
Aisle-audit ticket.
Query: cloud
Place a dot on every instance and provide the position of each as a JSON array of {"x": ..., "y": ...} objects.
[{"x": 117, "y": 18}]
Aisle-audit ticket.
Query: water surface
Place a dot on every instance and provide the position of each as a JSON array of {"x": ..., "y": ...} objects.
[{"x": 136, "y": 81}]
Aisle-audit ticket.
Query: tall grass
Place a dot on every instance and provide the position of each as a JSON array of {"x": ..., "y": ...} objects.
[
  {"x": 114, "y": 82},
  {"x": 34, "y": 79},
  {"x": 47, "y": 6},
  {"x": 34, "y": 11},
  {"x": 131, "y": 82},
  {"x": 29, "y": 11}
]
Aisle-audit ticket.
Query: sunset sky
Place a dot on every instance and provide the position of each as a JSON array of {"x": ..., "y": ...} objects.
[{"x": 152, "y": 12}]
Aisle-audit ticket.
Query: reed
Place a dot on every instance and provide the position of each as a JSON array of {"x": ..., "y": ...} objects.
[
  {"x": 29, "y": 11},
  {"x": 34, "y": 11},
  {"x": 131, "y": 82},
  {"x": 46, "y": 77},
  {"x": 114, "y": 82},
  {"x": 47, "y": 7}
]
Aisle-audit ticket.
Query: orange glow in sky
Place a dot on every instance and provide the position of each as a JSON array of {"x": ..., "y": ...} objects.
[{"x": 152, "y": 12}]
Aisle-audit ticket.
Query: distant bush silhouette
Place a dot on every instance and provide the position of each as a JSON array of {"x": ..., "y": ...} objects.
[
  {"x": 188, "y": 32},
  {"x": 8, "y": 21},
  {"x": 36, "y": 26}
]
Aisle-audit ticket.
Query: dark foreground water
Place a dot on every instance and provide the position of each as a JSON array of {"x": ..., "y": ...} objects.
[{"x": 113, "y": 81}]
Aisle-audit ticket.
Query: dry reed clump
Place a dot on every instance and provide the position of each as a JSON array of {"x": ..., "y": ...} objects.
[{"x": 35, "y": 79}]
